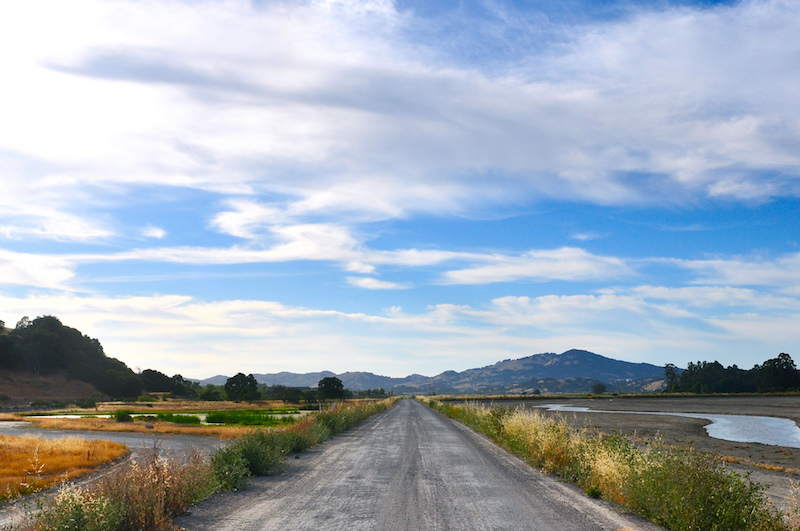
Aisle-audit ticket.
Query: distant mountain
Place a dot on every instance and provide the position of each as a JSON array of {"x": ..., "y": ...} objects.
[{"x": 571, "y": 371}]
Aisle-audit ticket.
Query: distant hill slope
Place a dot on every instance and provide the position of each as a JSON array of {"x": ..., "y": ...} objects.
[
  {"x": 571, "y": 371},
  {"x": 24, "y": 387}
]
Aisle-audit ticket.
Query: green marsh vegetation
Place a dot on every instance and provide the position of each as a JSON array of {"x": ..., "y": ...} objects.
[
  {"x": 680, "y": 489},
  {"x": 272, "y": 417}
]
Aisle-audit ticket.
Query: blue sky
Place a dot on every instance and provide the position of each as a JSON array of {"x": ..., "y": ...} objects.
[{"x": 402, "y": 187}]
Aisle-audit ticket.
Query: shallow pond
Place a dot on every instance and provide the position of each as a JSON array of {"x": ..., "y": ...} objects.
[{"x": 738, "y": 428}]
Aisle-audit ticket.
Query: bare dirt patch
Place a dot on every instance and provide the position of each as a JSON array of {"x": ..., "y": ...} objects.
[{"x": 23, "y": 387}]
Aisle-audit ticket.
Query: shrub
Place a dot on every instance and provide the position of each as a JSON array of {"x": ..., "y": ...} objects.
[
  {"x": 74, "y": 509},
  {"x": 683, "y": 489},
  {"x": 146, "y": 398},
  {"x": 86, "y": 403},
  {"x": 123, "y": 415},
  {"x": 230, "y": 469},
  {"x": 263, "y": 450},
  {"x": 156, "y": 489}
]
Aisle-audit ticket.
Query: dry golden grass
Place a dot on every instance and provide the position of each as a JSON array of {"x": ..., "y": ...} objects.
[
  {"x": 95, "y": 424},
  {"x": 29, "y": 464},
  {"x": 763, "y": 466}
]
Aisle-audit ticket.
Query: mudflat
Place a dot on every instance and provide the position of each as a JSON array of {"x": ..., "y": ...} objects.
[{"x": 777, "y": 467}]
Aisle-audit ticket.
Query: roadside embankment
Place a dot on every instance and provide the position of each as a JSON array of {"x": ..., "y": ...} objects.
[{"x": 681, "y": 489}]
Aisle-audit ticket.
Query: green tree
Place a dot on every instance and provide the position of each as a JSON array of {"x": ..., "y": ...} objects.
[
  {"x": 599, "y": 388},
  {"x": 212, "y": 392},
  {"x": 777, "y": 374},
  {"x": 671, "y": 377},
  {"x": 155, "y": 381},
  {"x": 331, "y": 388},
  {"x": 241, "y": 387}
]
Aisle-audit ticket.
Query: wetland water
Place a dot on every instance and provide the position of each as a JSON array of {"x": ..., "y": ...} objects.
[{"x": 737, "y": 428}]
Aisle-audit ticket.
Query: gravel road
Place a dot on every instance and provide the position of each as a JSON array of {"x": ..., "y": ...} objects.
[{"x": 408, "y": 468}]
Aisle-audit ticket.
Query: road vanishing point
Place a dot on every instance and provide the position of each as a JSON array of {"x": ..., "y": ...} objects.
[{"x": 409, "y": 469}]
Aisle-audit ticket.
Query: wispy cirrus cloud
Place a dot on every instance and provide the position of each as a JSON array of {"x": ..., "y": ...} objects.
[
  {"x": 782, "y": 271},
  {"x": 567, "y": 263},
  {"x": 35, "y": 271},
  {"x": 374, "y": 283}
]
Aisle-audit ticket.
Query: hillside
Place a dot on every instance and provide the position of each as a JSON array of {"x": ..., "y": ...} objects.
[
  {"x": 24, "y": 387},
  {"x": 59, "y": 358},
  {"x": 571, "y": 371}
]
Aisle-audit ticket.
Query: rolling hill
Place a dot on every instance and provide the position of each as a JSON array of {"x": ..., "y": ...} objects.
[{"x": 570, "y": 371}]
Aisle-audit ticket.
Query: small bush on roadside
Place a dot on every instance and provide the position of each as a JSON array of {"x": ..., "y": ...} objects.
[
  {"x": 683, "y": 489},
  {"x": 230, "y": 469},
  {"x": 264, "y": 451},
  {"x": 156, "y": 489},
  {"x": 74, "y": 509}
]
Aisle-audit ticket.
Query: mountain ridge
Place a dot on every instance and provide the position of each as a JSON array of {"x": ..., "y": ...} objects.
[{"x": 571, "y": 371}]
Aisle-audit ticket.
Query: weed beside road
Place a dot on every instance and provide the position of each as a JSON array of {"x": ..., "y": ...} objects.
[{"x": 680, "y": 489}]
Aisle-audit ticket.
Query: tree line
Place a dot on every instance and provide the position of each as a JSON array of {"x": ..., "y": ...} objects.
[
  {"x": 773, "y": 376},
  {"x": 45, "y": 346}
]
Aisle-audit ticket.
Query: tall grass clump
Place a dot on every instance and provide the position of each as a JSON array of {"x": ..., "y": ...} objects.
[
  {"x": 156, "y": 489},
  {"x": 76, "y": 509},
  {"x": 680, "y": 489}
]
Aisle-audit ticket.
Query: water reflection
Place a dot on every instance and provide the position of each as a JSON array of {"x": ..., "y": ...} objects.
[{"x": 737, "y": 428}]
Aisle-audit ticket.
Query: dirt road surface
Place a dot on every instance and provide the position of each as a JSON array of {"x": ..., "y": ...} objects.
[{"x": 408, "y": 468}]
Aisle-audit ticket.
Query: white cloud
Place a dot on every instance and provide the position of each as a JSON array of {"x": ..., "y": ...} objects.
[
  {"x": 586, "y": 236},
  {"x": 334, "y": 110},
  {"x": 781, "y": 272},
  {"x": 567, "y": 263},
  {"x": 153, "y": 232},
  {"x": 199, "y": 338},
  {"x": 34, "y": 270},
  {"x": 719, "y": 297},
  {"x": 373, "y": 283}
]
